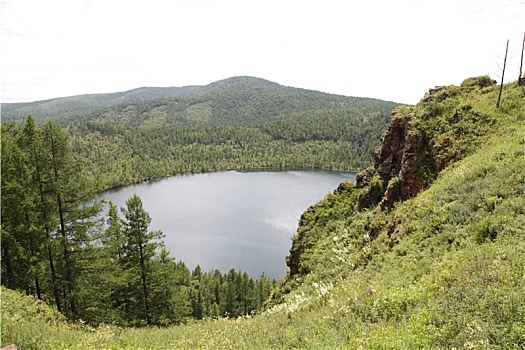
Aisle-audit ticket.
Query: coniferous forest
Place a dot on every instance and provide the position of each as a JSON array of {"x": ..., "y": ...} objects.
[
  {"x": 240, "y": 123},
  {"x": 97, "y": 269}
]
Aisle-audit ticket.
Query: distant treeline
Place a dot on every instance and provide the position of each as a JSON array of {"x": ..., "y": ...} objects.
[{"x": 118, "y": 155}]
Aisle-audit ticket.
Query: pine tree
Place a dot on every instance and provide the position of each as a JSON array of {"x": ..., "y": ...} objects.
[
  {"x": 170, "y": 303},
  {"x": 195, "y": 293},
  {"x": 229, "y": 295},
  {"x": 21, "y": 242},
  {"x": 140, "y": 247},
  {"x": 32, "y": 143},
  {"x": 104, "y": 290},
  {"x": 68, "y": 190},
  {"x": 45, "y": 229}
]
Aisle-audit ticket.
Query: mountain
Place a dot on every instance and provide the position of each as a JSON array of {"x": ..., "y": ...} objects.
[
  {"x": 232, "y": 99},
  {"x": 66, "y": 109},
  {"x": 425, "y": 251},
  {"x": 72, "y": 106},
  {"x": 240, "y": 123}
]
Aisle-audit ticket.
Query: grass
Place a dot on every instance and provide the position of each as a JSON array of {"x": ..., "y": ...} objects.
[{"x": 446, "y": 269}]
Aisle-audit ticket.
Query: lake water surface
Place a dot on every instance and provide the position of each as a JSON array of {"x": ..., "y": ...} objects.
[{"x": 224, "y": 220}]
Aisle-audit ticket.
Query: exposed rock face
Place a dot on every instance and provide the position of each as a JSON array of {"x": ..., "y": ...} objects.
[
  {"x": 387, "y": 160},
  {"x": 420, "y": 142},
  {"x": 481, "y": 81},
  {"x": 298, "y": 244},
  {"x": 403, "y": 166},
  {"x": 416, "y": 166},
  {"x": 433, "y": 94}
]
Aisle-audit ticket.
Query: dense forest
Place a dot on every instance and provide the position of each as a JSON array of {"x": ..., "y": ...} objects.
[
  {"x": 234, "y": 124},
  {"x": 98, "y": 269}
]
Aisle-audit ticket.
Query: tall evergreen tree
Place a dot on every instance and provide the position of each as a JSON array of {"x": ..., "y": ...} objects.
[
  {"x": 170, "y": 303},
  {"x": 43, "y": 222},
  {"x": 21, "y": 253},
  {"x": 68, "y": 191},
  {"x": 140, "y": 248},
  {"x": 197, "y": 303},
  {"x": 229, "y": 295}
]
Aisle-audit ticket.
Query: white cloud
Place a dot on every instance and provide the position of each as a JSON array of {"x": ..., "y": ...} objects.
[{"x": 379, "y": 48}]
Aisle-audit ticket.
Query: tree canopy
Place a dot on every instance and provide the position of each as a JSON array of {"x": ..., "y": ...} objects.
[{"x": 57, "y": 246}]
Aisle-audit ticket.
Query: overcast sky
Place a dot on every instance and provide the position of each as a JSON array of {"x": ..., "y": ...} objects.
[{"x": 391, "y": 50}]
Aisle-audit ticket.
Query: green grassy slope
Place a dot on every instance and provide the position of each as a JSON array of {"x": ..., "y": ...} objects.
[{"x": 444, "y": 269}]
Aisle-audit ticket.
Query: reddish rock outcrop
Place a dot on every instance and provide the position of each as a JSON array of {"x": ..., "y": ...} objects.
[
  {"x": 388, "y": 159},
  {"x": 403, "y": 166},
  {"x": 411, "y": 153}
]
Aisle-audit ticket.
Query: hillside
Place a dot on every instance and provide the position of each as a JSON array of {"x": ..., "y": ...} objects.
[
  {"x": 70, "y": 107},
  {"x": 240, "y": 123},
  {"x": 66, "y": 108},
  {"x": 235, "y": 90},
  {"x": 426, "y": 251}
]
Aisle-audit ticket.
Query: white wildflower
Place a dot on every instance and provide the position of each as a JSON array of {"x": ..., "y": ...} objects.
[{"x": 322, "y": 288}]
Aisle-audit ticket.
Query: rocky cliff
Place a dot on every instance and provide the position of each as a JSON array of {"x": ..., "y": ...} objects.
[
  {"x": 420, "y": 141},
  {"x": 403, "y": 165}
]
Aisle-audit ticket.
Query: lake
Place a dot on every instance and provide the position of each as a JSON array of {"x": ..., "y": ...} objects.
[{"x": 224, "y": 220}]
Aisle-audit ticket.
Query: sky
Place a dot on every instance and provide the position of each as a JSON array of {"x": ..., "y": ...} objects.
[{"x": 390, "y": 50}]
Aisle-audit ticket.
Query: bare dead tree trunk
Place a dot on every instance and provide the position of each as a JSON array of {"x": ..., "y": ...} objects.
[
  {"x": 503, "y": 74},
  {"x": 521, "y": 79}
]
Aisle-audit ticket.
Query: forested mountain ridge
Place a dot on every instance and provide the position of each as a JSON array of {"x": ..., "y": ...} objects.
[
  {"x": 240, "y": 123},
  {"x": 66, "y": 109},
  {"x": 237, "y": 99},
  {"x": 63, "y": 108}
]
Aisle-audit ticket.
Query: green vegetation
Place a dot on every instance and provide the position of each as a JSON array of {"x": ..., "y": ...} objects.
[
  {"x": 56, "y": 247},
  {"x": 66, "y": 108},
  {"x": 240, "y": 123},
  {"x": 441, "y": 270}
]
